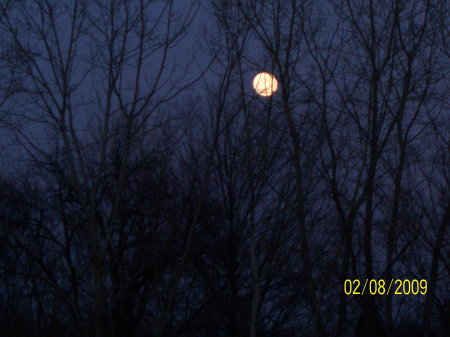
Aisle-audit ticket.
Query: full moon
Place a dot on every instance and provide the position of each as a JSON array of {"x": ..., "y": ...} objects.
[{"x": 265, "y": 84}]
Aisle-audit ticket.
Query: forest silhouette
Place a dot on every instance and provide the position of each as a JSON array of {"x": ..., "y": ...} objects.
[{"x": 148, "y": 191}]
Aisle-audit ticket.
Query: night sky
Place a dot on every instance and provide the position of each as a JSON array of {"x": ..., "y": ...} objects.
[{"x": 152, "y": 184}]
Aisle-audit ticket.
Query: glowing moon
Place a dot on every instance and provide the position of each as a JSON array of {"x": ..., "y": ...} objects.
[{"x": 265, "y": 84}]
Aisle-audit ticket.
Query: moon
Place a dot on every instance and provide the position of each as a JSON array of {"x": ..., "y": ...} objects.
[{"x": 265, "y": 84}]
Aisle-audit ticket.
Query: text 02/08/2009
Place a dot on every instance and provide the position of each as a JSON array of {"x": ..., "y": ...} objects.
[{"x": 381, "y": 287}]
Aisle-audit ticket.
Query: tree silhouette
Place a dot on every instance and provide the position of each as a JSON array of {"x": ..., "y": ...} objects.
[{"x": 148, "y": 191}]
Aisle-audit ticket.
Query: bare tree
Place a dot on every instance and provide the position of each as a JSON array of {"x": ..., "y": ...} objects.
[
  {"x": 94, "y": 58},
  {"x": 145, "y": 208}
]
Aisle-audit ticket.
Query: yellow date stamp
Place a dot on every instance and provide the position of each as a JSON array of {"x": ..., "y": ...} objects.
[{"x": 382, "y": 287}]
